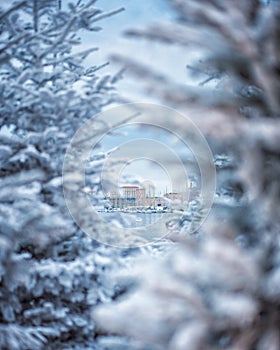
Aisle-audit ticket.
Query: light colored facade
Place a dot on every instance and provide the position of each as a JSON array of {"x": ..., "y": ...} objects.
[
  {"x": 155, "y": 202},
  {"x": 140, "y": 196},
  {"x": 129, "y": 191},
  {"x": 134, "y": 196},
  {"x": 174, "y": 196}
]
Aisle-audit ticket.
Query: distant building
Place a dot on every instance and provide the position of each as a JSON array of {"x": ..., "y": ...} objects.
[
  {"x": 193, "y": 187},
  {"x": 192, "y": 183},
  {"x": 129, "y": 191},
  {"x": 118, "y": 202},
  {"x": 135, "y": 196},
  {"x": 174, "y": 196},
  {"x": 155, "y": 202},
  {"x": 140, "y": 196},
  {"x": 126, "y": 198}
]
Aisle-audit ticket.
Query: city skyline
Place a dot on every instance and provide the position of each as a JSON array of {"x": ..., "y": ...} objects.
[{"x": 137, "y": 196}]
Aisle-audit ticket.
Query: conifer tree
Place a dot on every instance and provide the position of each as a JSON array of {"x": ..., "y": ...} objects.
[
  {"x": 51, "y": 274},
  {"x": 220, "y": 291}
]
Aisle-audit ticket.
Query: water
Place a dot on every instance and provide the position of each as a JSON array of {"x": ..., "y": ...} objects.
[{"x": 150, "y": 226}]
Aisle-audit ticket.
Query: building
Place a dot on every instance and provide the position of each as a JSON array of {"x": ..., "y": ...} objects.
[
  {"x": 155, "y": 202},
  {"x": 134, "y": 196},
  {"x": 126, "y": 197},
  {"x": 192, "y": 182},
  {"x": 129, "y": 191},
  {"x": 129, "y": 195},
  {"x": 174, "y": 196},
  {"x": 140, "y": 196}
]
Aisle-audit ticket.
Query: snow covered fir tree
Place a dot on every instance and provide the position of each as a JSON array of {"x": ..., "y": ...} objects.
[
  {"x": 222, "y": 290},
  {"x": 51, "y": 273},
  {"x": 216, "y": 289}
]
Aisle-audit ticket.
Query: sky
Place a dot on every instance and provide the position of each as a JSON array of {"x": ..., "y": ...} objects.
[
  {"x": 149, "y": 154},
  {"x": 138, "y": 14},
  {"x": 111, "y": 40}
]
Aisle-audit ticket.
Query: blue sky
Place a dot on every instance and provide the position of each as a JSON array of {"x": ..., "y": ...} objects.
[
  {"x": 138, "y": 14},
  {"x": 161, "y": 152}
]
